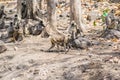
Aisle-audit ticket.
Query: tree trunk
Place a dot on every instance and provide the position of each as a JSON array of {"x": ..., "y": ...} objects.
[
  {"x": 36, "y": 5},
  {"x": 19, "y": 8},
  {"x": 76, "y": 14},
  {"x": 51, "y": 7},
  {"x": 31, "y": 6},
  {"x": 51, "y": 18},
  {"x": 40, "y": 4}
]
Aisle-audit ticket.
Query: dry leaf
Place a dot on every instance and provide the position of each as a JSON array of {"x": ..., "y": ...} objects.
[{"x": 114, "y": 40}]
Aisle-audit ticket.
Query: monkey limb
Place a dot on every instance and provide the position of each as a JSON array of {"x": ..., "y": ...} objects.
[
  {"x": 60, "y": 40},
  {"x": 16, "y": 36}
]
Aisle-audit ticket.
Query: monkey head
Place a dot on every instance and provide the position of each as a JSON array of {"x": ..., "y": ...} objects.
[
  {"x": 112, "y": 11},
  {"x": 23, "y": 3},
  {"x": 73, "y": 23},
  {"x": 41, "y": 23}
]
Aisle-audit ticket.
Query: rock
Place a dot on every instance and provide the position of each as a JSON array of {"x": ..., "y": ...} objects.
[
  {"x": 21, "y": 66},
  {"x": 111, "y": 34},
  {"x": 68, "y": 76},
  {"x": 15, "y": 48},
  {"x": 96, "y": 75},
  {"x": 81, "y": 43}
]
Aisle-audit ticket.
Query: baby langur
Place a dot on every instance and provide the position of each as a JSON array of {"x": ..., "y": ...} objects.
[
  {"x": 60, "y": 39},
  {"x": 14, "y": 33},
  {"x": 72, "y": 29},
  {"x": 110, "y": 20},
  {"x": 15, "y": 19},
  {"x": 10, "y": 30},
  {"x": 18, "y": 34}
]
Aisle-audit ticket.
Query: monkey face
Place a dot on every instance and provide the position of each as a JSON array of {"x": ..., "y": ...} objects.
[
  {"x": 23, "y": 3},
  {"x": 112, "y": 11},
  {"x": 41, "y": 23},
  {"x": 73, "y": 23}
]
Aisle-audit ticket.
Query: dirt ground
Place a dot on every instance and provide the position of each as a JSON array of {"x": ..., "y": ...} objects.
[{"x": 25, "y": 61}]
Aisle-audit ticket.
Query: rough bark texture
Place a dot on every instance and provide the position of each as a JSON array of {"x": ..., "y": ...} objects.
[
  {"x": 76, "y": 13},
  {"x": 31, "y": 8},
  {"x": 40, "y": 4},
  {"x": 35, "y": 5},
  {"x": 19, "y": 8},
  {"x": 51, "y": 18},
  {"x": 51, "y": 7}
]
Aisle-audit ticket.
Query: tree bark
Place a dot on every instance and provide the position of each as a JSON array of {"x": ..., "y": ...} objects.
[
  {"x": 51, "y": 7},
  {"x": 29, "y": 6},
  {"x": 19, "y": 8},
  {"x": 76, "y": 14},
  {"x": 51, "y": 19},
  {"x": 40, "y": 4}
]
